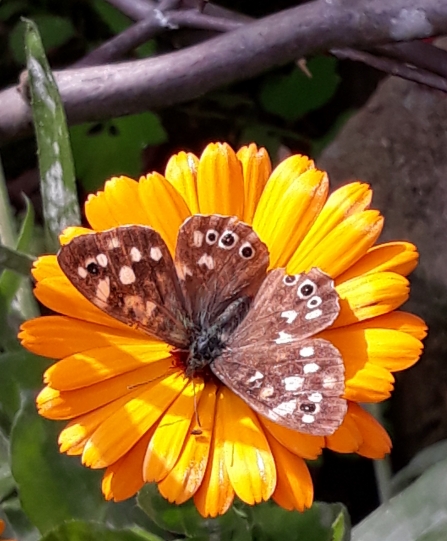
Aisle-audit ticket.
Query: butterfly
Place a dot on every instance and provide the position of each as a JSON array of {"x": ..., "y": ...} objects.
[{"x": 217, "y": 303}]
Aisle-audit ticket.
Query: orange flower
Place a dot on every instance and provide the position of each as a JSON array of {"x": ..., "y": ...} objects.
[
  {"x": 2, "y": 529},
  {"x": 132, "y": 411}
]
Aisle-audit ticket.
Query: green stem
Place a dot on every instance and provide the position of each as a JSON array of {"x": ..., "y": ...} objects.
[
  {"x": 382, "y": 468},
  {"x": 8, "y": 235}
]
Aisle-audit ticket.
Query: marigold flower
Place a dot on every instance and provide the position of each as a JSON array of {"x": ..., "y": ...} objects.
[{"x": 131, "y": 412}]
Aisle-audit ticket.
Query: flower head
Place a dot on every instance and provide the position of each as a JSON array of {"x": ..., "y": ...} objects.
[{"x": 129, "y": 404}]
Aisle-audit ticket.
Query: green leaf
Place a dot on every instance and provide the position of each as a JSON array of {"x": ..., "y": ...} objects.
[
  {"x": 422, "y": 461},
  {"x": 92, "y": 531},
  {"x": 18, "y": 264},
  {"x": 54, "y": 30},
  {"x": 418, "y": 513},
  {"x": 21, "y": 371},
  {"x": 6, "y": 480},
  {"x": 185, "y": 519},
  {"x": 292, "y": 96},
  {"x": 264, "y": 522},
  {"x": 59, "y": 197},
  {"x": 320, "y": 523},
  {"x": 115, "y": 20},
  {"x": 53, "y": 487},
  {"x": 113, "y": 148}
]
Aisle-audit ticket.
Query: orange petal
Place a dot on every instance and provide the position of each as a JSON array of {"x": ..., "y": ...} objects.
[
  {"x": 294, "y": 489},
  {"x": 290, "y": 203},
  {"x": 170, "y": 435},
  {"x": 399, "y": 257},
  {"x": 71, "y": 232},
  {"x": 400, "y": 321},
  {"x": 341, "y": 247},
  {"x": 164, "y": 206},
  {"x": 77, "y": 432},
  {"x": 220, "y": 185},
  {"x": 369, "y": 354},
  {"x": 56, "y": 292},
  {"x": 61, "y": 336},
  {"x": 101, "y": 364},
  {"x": 303, "y": 445},
  {"x": 370, "y": 295},
  {"x": 185, "y": 478},
  {"x": 124, "y": 478},
  {"x": 181, "y": 172},
  {"x": 344, "y": 202},
  {"x": 256, "y": 167},
  {"x": 348, "y": 437},
  {"x": 248, "y": 458},
  {"x": 120, "y": 431},
  {"x": 216, "y": 494},
  {"x": 55, "y": 404},
  {"x": 119, "y": 204},
  {"x": 376, "y": 442}
]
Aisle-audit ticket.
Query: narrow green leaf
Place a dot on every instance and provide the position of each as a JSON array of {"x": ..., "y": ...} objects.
[
  {"x": 418, "y": 513},
  {"x": 54, "y": 488},
  {"x": 17, "y": 261},
  {"x": 59, "y": 197},
  {"x": 6, "y": 481}
]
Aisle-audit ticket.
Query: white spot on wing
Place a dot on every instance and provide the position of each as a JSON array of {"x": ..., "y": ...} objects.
[
  {"x": 183, "y": 271},
  {"x": 82, "y": 272},
  {"x": 307, "y": 351},
  {"x": 310, "y": 368},
  {"x": 155, "y": 253},
  {"x": 127, "y": 275},
  {"x": 114, "y": 242},
  {"x": 135, "y": 254},
  {"x": 284, "y": 338},
  {"x": 206, "y": 260},
  {"x": 102, "y": 260},
  {"x": 293, "y": 383},
  {"x": 308, "y": 418},
  {"x": 315, "y": 397},
  {"x": 289, "y": 315},
  {"x": 314, "y": 314},
  {"x": 255, "y": 377},
  {"x": 198, "y": 238},
  {"x": 285, "y": 408}
]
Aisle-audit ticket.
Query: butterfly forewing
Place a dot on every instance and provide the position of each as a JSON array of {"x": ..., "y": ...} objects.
[
  {"x": 218, "y": 259},
  {"x": 298, "y": 385},
  {"x": 129, "y": 273}
]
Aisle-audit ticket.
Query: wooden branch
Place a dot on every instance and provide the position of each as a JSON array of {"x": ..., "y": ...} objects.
[{"x": 113, "y": 90}]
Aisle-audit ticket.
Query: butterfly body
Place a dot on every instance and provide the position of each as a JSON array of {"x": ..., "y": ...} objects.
[{"x": 220, "y": 309}]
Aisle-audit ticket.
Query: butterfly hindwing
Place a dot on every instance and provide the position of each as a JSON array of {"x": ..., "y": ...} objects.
[
  {"x": 274, "y": 364},
  {"x": 296, "y": 385},
  {"x": 219, "y": 259},
  {"x": 129, "y": 273}
]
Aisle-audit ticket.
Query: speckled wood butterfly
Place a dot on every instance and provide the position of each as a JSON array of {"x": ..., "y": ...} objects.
[{"x": 217, "y": 305}]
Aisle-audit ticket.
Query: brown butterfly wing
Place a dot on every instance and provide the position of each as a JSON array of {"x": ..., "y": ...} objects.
[
  {"x": 219, "y": 259},
  {"x": 129, "y": 274},
  {"x": 274, "y": 364}
]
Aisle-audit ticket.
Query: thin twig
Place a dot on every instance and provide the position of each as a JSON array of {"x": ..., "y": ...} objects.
[{"x": 393, "y": 67}]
